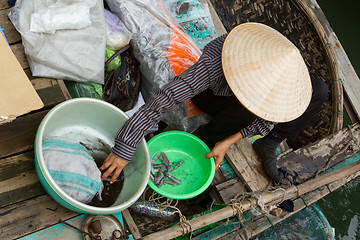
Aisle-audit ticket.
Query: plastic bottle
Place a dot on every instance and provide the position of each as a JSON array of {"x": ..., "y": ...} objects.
[{"x": 153, "y": 209}]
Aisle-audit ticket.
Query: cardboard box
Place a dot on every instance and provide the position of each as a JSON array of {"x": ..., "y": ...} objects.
[{"x": 17, "y": 95}]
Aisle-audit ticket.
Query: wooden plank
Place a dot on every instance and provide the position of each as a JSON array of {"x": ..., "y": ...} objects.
[
  {"x": 307, "y": 160},
  {"x": 12, "y": 35},
  {"x": 218, "y": 178},
  {"x": 23, "y": 218},
  {"x": 226, "y": 170},
  {"x": 4, "y": 4},
  {"x": 232, "y": 229},
  {"x": 60, "y": 231},
  {"x": 351, "y": 81},
  {"x": 247, "y": 165},
  {"x": 131, "y": 224},
  {"x": 19, "y": 52},
  {"x": 64, "y": 90},
  {"x": 335, "y": 185},
  {"x": 18, "y": 179},
  {"x": 51, "y": 91},
  {"x": 41, "y": 83},
  {"x": 253, "y": 229},
  {"x": 314, "y": 196},
  {"x": 256, "y": 227},
  {"x": 50, "y": 95},
  {"x": 269, "y": 198},
  {"x": 349, "y": 110},
  {"x": 219, "y": 231},
  {"x": 252, "y": 225},
  {"x": 230, "y": 188},
  {"x": 19, "y": 135},
  {"x": 263, "y": 223},
  {"x": 298, "y": 205},
  {"x": 224, "y": 173}
]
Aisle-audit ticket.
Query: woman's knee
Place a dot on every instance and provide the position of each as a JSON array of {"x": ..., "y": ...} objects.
[{"x": 320, "y": 90}]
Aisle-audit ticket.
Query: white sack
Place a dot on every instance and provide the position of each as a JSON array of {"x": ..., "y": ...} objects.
[
  {"x": 60, "y": 16},
  {"x": 77, "y": 55}
]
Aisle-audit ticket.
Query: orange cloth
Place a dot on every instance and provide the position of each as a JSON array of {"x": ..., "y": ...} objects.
[{"x": 182, "y": 54}]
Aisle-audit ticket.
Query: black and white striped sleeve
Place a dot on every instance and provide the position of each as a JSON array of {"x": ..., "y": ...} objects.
[{"x": 181, "y": 88}]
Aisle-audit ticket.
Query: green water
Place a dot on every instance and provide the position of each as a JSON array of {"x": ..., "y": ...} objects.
[
  {"x": 342, "y": 207},
  {"x": 344, "y": 20}
]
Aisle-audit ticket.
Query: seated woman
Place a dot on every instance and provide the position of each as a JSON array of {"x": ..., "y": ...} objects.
[{"x": 247, "y": 80}]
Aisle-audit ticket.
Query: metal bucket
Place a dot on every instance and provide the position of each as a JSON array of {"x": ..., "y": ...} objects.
[{"x": 94, "y": 123}]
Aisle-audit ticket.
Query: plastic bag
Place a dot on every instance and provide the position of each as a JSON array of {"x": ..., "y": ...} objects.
[
  {"x": 60, "y": 16},
  {"x": 115, "y": 63},
  {"x": 117, "y": 35},
  {"x": 195, "y": 18},
  {"x": 163, "y": 50},
  {"x": 77, "y": 55}
]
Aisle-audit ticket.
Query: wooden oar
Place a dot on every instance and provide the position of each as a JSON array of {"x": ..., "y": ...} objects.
[{"x": 274, "y": 197}]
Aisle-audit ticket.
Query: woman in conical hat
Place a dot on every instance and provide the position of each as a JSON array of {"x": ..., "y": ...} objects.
[{"x": 252, "y": 80}]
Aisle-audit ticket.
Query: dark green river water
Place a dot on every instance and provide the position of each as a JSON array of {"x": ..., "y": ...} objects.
[{"x": 342, "y": 207}]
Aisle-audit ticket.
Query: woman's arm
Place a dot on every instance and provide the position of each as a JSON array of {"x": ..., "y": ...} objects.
[
  {"x": 181, "y": 88},
  {"x": 258, "y": 126}
]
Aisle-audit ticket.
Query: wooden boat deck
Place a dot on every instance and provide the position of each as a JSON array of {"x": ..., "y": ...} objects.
[{"x": 28, "y": 212}]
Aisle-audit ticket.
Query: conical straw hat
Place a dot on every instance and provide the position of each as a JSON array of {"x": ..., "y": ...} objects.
[{"x": 266, "y": 72}]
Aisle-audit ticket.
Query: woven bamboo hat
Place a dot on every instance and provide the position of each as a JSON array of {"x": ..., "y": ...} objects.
[{"x": 266, "y": 72}]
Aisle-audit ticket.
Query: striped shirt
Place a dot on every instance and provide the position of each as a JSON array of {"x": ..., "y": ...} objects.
[{"x": 207, "y": 73}]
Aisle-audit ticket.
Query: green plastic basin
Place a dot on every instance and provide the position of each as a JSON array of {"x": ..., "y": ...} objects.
[
  {"x": 195, "y": 174},
  {"x": 94, "y": 123}
]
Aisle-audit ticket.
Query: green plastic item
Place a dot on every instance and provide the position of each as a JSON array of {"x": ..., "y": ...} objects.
[
  {"x": 114, "y": 64},
  {"x": 195, "y": 174},
  {"x": 79, "y": 89}
]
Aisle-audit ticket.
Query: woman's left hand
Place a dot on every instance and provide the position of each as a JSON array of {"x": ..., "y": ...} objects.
[
  {"x": 218, "y": 152},
  {"x": 220, "y": 148}
]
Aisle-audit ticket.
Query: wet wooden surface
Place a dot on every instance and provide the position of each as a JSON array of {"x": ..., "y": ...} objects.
[
  {"x": 315, "y": 156},
  {"x": 247, "y": 165},
  {"x": 24, "y": 205},
  {"x": 25, "y": 208}
]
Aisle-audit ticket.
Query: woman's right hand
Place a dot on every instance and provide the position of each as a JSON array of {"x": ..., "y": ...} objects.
[{"x": 113, "y": 164}]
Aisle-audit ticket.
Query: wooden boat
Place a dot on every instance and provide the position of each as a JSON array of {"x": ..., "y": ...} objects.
[{"x": 28, "y": 212}]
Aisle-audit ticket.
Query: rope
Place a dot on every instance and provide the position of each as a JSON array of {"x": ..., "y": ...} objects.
[
  {"x": 236, "y": 204},
  {"x": 237, "y": 211},
  {"x": 237, "y": 208},
  {"x": 155, "y": 197},
  {"x": 169, "y": 203},
  {"x": 183, "y": 222}
]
